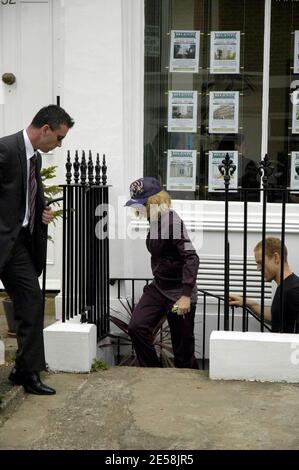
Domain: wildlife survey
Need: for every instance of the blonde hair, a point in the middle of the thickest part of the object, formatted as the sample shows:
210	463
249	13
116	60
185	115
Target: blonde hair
158	203
272	245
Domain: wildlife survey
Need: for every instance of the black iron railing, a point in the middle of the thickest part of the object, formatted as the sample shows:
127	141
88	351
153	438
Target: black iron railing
85	254
129	294
246	312
265	170
225	312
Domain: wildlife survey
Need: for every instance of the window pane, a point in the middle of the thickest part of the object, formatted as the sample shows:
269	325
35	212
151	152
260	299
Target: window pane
284	22
161	17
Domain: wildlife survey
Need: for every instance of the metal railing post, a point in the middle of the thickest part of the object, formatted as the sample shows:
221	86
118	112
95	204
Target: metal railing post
85	256
227	169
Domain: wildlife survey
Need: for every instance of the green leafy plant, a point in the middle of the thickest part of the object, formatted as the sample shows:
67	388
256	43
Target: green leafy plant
98	364
51	192
161	337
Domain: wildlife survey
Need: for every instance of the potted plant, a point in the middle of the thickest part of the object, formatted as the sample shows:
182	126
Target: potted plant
51	192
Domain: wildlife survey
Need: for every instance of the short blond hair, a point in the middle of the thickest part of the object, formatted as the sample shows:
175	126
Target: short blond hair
272	245
161	200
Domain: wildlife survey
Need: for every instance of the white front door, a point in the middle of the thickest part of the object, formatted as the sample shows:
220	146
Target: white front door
26	50
29	51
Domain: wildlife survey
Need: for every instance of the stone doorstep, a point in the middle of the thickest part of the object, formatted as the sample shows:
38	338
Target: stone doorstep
10	401
11	395
2	352
12	398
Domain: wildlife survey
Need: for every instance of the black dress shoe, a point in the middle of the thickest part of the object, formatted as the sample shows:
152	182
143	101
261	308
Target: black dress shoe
31	382
16	376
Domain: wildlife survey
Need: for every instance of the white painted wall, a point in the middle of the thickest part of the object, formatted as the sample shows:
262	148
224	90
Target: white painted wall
100	80
92	87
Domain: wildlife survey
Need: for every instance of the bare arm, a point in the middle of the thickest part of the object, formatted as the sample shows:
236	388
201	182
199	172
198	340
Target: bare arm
237	301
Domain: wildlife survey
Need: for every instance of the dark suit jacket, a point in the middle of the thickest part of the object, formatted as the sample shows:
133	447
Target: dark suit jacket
13	187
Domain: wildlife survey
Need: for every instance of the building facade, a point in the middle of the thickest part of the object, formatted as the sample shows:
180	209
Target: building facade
115	67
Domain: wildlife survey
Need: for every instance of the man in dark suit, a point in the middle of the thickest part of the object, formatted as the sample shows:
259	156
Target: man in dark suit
23	221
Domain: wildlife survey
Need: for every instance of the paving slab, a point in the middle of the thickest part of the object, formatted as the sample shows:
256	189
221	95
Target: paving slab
10	396
128	408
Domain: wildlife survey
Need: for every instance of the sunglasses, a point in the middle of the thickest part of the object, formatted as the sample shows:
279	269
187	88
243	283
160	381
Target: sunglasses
58	137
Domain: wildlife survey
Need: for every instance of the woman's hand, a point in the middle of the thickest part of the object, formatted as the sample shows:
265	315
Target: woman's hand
183	304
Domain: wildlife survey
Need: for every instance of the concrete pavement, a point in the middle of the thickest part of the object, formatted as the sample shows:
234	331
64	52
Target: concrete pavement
158	409
128	408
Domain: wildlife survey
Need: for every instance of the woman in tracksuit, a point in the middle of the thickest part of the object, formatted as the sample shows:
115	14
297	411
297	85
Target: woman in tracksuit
174	265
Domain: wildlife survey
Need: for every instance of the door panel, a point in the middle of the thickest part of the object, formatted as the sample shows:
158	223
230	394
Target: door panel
27	51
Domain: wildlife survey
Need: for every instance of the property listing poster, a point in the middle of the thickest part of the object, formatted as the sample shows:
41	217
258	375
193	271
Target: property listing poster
184	51
182	111
225	52
216	180
296	51
181	170
151	41
295	113
294	183
224	112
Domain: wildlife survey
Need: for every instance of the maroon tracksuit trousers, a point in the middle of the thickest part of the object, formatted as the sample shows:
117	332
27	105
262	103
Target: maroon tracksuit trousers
150	309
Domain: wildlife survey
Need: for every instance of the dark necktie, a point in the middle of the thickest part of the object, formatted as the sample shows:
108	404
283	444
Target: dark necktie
32	192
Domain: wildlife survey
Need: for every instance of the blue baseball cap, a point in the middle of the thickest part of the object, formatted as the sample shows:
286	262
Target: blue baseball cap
142	189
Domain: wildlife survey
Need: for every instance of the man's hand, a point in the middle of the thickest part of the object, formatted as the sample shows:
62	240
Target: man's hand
183	304
47	215
235	300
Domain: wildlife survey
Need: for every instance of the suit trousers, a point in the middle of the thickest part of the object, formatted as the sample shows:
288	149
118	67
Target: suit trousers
21	283
151	308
